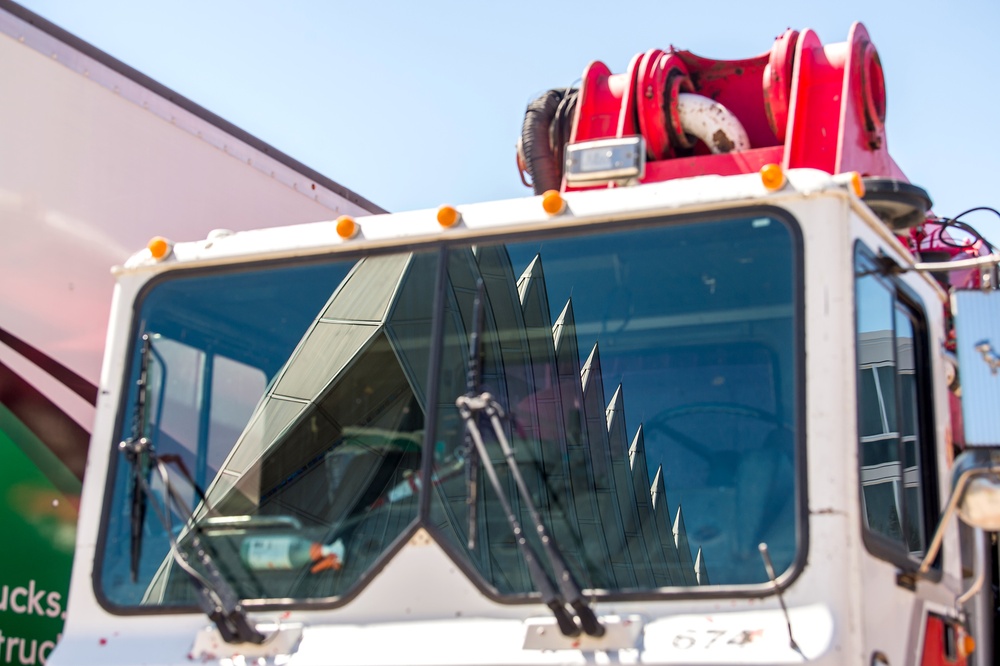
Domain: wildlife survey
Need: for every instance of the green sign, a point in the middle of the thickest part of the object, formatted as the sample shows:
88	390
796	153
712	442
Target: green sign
39	500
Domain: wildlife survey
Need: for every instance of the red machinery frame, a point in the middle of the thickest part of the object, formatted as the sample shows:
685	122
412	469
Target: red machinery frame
802	105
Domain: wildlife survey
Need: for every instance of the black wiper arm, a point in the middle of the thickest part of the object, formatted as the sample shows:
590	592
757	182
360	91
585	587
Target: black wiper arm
216	596
470	407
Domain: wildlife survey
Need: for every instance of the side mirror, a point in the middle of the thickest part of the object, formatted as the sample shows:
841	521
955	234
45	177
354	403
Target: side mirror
977	479
975	496
975	482
977	344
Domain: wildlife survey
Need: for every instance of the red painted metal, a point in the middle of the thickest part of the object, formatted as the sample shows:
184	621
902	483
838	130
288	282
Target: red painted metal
802	104
778	82
862	144
814	121
726	164
598	105
662	76
606	105
739	86
935	652
679	81
651	87
626	118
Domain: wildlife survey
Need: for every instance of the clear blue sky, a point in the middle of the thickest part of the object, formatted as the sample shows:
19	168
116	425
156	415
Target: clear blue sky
413	104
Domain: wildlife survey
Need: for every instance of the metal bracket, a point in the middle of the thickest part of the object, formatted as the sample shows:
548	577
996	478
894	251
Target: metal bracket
282	640
621	633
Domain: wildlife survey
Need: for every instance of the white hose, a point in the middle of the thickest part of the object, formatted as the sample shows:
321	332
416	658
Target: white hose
711	122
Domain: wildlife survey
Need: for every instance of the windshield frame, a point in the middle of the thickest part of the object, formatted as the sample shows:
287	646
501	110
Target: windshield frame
441	247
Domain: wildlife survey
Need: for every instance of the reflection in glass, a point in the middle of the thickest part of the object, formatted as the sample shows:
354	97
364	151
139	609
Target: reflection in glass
911	497
318	467
887	411
650	379
649	376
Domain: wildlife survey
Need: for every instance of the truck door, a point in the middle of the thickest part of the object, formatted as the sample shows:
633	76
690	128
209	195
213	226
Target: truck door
897	465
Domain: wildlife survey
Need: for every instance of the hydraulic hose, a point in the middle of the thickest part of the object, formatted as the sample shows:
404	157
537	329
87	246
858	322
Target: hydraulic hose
547	123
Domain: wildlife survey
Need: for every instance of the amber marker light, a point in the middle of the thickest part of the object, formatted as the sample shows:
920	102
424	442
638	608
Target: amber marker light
772	176
851	180
553	203
447	216
967	646
857	184
347	227
159	247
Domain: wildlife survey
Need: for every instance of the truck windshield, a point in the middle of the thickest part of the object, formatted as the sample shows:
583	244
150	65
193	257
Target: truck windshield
647	372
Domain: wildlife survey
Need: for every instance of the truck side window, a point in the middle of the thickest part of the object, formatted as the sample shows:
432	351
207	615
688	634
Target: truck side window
892	420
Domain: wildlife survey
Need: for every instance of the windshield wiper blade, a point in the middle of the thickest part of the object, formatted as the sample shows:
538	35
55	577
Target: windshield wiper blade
470	408
136	452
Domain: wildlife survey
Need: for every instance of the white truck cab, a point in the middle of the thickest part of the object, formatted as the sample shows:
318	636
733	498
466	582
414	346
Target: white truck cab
691	416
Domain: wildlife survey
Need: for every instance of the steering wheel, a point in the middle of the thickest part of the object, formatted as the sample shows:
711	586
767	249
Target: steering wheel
659	423
733	408
761	476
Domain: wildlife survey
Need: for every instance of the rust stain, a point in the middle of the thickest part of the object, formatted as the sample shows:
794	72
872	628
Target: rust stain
722	142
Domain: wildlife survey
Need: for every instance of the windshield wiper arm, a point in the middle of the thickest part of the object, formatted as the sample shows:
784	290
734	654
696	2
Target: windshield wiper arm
472	380
216	596
470	407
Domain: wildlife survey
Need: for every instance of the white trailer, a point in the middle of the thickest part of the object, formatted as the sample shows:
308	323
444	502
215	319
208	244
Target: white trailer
95	159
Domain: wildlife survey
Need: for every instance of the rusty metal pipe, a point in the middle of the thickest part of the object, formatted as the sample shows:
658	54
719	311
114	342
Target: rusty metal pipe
711	122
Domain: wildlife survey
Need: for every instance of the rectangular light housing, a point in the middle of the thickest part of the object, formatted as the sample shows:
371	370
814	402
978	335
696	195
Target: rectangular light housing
605	160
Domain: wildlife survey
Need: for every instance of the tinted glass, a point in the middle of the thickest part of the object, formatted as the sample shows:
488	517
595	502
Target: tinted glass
888	378
912	497
648	377
289	396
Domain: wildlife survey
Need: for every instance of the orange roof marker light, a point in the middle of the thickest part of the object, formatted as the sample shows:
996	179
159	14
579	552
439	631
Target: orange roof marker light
854	182
553	202
857	184
347	228
159	247
448	216
772	176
